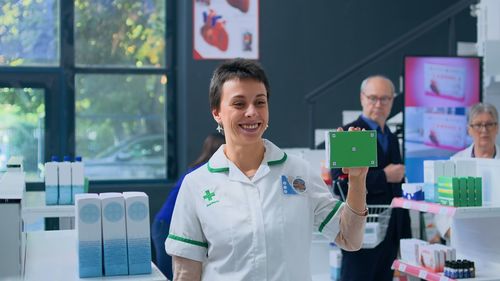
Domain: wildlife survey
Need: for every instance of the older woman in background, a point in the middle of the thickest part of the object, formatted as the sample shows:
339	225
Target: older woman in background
483	128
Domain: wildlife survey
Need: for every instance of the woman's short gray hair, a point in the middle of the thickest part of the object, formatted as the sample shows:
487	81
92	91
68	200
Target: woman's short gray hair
483	108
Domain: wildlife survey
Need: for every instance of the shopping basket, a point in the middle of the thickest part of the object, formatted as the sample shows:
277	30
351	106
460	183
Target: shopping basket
376	222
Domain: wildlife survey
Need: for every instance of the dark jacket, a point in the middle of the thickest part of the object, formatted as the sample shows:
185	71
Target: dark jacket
379	190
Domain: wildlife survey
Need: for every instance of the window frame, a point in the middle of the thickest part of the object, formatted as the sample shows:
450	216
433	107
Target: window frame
59	87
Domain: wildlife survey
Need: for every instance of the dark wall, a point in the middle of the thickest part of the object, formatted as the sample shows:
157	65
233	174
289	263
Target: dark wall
302	45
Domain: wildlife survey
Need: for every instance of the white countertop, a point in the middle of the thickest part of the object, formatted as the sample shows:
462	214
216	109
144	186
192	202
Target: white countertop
52	255
34	207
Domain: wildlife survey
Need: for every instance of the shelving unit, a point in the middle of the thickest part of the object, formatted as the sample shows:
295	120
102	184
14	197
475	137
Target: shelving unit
474	235
458	213
423	273
52	255
34	208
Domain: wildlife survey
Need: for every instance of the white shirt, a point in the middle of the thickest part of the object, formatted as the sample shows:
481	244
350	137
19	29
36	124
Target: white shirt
443	222
467	153
252	229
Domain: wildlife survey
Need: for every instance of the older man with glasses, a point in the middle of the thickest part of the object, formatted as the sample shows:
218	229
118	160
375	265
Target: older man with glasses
382	183
483	128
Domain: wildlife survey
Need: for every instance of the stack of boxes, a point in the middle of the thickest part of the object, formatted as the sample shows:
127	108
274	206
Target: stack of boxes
124	239
446	183
460	191
63	180
430	256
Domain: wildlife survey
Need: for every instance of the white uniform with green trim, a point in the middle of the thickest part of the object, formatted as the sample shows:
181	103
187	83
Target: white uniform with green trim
258	229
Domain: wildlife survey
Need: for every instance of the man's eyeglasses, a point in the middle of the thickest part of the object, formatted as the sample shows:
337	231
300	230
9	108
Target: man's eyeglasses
479	126
373	100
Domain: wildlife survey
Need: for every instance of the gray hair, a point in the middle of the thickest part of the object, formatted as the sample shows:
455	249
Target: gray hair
483	108
367	79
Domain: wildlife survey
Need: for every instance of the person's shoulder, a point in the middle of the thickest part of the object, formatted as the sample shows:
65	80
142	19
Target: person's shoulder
359	122
465	153
199	173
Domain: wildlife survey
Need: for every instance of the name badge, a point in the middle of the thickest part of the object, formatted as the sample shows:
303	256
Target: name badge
297	186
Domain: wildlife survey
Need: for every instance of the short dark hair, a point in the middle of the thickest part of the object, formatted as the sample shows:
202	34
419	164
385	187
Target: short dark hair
235	69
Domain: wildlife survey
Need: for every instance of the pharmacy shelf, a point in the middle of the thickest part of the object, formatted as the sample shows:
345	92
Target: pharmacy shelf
426	274
458	213
34	207
52	255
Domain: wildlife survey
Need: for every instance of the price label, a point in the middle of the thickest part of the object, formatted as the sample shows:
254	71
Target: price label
444	278
424	207
422	274
402	267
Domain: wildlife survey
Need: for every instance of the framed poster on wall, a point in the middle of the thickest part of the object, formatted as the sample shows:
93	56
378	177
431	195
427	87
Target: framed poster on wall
225	29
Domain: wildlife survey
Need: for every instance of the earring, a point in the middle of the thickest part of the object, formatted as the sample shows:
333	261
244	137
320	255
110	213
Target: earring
219	129
267	126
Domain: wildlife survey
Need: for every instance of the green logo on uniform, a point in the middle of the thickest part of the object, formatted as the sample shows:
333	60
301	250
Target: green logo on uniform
209	197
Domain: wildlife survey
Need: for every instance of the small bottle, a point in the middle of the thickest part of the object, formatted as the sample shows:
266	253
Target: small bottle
460	271
472	270
466	269
453	271
446	270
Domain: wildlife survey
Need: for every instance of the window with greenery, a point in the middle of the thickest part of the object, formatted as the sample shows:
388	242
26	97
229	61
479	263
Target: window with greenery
22	112
87	78
126	142
127	33
29	33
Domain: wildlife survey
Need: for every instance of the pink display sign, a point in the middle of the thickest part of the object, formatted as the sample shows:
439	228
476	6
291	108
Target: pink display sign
442	81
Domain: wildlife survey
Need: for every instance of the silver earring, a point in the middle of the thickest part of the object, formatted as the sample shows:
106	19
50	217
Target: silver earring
219	129
267	126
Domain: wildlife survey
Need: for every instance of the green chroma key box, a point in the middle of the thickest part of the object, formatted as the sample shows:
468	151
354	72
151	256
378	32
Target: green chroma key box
351	149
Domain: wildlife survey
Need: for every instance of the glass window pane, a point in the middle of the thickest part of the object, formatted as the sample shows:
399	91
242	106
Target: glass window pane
120	125
22	129
29	33
120	33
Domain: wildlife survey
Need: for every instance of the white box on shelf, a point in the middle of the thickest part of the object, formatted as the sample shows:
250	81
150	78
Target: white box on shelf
433	170
51	183
465	167
114	234
89	235
449	168
77	178
138	234
409	250
64	183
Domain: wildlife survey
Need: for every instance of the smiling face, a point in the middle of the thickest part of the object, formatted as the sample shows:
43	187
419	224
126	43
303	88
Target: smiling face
243	111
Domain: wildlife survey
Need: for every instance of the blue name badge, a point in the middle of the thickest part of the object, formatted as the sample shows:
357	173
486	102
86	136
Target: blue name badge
298	186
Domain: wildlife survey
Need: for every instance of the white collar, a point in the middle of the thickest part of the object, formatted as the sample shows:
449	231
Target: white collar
219	163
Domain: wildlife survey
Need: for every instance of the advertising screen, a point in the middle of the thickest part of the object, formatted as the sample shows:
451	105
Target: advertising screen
438	94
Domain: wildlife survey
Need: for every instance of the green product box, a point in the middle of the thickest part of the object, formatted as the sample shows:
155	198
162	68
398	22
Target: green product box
351	149
446	201
445	191
457	202
478	188
471	191
464	199
445	182
449	191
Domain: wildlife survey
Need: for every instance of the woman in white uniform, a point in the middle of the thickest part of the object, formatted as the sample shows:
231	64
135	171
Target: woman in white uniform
483	128
249	213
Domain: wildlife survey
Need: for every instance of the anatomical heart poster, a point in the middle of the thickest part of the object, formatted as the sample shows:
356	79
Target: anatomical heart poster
225	29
